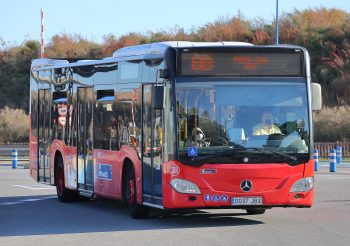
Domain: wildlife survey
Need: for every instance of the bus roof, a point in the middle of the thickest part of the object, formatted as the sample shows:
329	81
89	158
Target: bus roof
145	51
152	50
161	46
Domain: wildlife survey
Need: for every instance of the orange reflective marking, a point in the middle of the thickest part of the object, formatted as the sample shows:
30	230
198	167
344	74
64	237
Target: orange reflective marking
250	63
202	63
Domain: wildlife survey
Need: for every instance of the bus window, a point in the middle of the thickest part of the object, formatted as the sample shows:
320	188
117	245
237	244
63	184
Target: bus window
106	125
59	114
129	113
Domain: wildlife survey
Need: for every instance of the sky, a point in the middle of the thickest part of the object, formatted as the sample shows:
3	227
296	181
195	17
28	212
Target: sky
92	19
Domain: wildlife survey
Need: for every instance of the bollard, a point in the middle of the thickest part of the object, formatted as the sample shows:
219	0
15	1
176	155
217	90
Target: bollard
332	163
338	156
14	158
316	159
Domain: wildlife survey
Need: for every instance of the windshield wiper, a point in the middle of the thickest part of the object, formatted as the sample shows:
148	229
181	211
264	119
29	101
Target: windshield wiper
211	157
235	154
292	158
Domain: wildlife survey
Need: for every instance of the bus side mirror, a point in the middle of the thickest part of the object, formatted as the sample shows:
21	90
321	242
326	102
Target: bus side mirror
157	96
316	97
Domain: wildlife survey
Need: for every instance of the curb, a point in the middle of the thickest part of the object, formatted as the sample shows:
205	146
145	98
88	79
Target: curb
332	173
20	166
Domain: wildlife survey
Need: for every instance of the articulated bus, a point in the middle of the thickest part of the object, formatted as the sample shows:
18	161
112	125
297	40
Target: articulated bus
177	125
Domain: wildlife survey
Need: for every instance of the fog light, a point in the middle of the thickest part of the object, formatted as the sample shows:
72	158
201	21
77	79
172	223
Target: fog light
303	185
192	198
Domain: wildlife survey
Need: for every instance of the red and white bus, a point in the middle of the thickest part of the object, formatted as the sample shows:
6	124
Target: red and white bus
175	125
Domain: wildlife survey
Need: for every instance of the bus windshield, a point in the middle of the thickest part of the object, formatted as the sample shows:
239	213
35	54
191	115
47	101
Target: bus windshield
242	122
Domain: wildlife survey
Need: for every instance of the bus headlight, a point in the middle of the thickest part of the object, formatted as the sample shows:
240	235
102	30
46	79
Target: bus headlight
303	185
184	186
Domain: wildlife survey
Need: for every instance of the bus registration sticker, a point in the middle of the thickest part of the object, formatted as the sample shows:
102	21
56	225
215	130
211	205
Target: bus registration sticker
253	200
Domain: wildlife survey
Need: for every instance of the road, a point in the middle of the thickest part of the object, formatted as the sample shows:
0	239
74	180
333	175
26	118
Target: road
31	215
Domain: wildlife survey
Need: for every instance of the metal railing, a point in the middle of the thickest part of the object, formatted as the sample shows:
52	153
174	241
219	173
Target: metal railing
6	151
324	148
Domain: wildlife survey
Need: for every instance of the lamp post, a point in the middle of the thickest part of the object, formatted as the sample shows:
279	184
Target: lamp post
276	22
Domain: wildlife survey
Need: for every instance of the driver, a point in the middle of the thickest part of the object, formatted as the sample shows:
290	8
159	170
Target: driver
197	139
266	127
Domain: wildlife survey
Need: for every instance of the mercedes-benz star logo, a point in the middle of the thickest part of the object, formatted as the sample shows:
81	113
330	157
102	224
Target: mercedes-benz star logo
246	185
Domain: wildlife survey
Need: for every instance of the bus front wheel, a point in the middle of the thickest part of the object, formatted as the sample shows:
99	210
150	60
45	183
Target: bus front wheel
137	211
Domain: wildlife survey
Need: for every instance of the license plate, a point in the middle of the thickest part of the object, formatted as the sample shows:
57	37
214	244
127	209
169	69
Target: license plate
238	201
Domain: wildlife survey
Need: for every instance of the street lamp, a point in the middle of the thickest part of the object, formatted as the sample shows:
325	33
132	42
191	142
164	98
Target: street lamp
276	22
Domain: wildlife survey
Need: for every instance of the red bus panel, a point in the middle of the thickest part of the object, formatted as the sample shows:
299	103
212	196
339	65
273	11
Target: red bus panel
272	182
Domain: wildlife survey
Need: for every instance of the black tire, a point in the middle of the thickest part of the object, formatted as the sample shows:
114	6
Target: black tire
254	211
63	194
137	211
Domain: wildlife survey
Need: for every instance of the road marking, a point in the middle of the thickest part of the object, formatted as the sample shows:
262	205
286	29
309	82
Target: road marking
332	176
38	199
34	188
27	200
9	203
339	177
31	200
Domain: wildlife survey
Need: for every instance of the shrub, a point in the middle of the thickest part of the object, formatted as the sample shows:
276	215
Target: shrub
332	124
14	125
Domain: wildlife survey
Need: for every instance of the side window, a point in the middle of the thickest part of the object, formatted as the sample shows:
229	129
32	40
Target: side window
44	113
59	115
34	113
70	135
129	115
106	121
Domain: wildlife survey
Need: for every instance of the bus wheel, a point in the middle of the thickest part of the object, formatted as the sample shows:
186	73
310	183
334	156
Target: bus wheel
137	211
63	194
253	211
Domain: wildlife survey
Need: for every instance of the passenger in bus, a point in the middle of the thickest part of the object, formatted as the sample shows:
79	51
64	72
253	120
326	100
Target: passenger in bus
197	139
266	127
113	128
113	134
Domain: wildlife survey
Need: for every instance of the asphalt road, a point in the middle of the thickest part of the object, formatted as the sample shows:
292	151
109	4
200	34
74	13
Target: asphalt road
31	215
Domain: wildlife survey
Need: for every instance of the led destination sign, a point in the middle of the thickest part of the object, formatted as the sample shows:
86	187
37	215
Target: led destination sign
214	63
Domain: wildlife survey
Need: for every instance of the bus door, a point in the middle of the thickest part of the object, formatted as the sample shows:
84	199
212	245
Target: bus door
84	141
44	136
152	141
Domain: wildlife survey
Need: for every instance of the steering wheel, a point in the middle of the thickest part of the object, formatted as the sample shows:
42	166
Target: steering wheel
218	141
